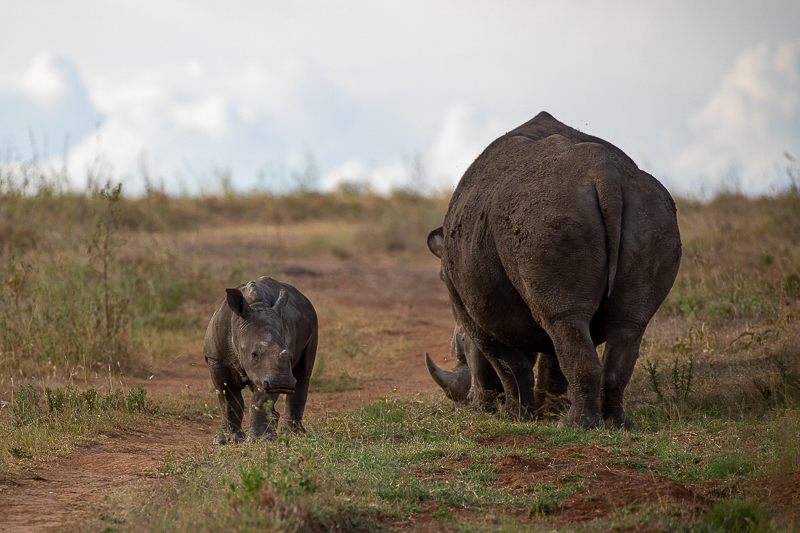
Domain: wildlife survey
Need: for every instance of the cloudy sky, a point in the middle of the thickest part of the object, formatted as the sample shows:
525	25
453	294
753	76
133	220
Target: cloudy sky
704	95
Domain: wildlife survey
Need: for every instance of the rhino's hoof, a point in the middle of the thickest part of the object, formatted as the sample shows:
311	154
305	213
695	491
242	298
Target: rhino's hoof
617	422
292	428
484	404
583	422
267	436
228	438
515	413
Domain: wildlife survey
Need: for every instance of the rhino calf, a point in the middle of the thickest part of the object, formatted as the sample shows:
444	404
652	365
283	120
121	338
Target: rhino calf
264	336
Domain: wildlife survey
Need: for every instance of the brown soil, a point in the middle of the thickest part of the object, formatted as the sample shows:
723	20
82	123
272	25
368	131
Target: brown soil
70	488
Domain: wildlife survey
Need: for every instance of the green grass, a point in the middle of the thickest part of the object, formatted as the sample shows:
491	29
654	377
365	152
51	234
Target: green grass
49	424
386	463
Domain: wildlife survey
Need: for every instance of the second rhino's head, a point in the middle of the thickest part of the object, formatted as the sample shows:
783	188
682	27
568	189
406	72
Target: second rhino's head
259	341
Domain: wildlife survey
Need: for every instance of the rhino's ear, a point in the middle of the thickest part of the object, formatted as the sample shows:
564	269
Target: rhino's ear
436	242
237	303
283	297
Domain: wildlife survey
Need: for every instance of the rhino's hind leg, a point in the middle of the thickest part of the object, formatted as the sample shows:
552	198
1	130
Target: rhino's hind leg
579	362
619	358
263	416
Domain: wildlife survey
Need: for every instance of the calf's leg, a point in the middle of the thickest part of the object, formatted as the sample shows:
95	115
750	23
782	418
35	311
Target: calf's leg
263	416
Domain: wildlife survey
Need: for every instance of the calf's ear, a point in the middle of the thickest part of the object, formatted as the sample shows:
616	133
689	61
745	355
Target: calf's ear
436	242
237	303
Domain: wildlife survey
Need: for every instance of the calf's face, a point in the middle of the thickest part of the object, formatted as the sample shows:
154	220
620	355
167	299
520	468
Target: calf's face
259	341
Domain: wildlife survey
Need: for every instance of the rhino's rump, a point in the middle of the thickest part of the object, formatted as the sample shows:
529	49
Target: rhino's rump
526	239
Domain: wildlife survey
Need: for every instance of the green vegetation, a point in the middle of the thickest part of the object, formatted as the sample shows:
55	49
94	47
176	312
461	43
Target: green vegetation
374	467
45	424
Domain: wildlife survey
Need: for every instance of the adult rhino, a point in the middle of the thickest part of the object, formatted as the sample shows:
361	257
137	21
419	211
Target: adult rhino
555	242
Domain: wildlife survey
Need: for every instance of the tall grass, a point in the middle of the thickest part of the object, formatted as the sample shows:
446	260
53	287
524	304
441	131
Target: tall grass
47	423
741	258
85	275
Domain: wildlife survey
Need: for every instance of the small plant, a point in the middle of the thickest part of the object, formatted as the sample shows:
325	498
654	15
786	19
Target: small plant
655	380
732	465
793	174
103	246
25	407
693	338
59	402
737	516
747	338
681	377
252	482
136	401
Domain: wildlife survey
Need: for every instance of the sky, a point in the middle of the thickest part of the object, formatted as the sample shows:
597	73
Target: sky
193	96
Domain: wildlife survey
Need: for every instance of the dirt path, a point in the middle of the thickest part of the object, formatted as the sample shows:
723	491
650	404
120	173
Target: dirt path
72	487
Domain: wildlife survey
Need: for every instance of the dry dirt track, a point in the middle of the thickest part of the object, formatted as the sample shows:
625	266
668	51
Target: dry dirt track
72	487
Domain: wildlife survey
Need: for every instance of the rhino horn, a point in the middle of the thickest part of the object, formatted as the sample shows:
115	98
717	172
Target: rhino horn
455	384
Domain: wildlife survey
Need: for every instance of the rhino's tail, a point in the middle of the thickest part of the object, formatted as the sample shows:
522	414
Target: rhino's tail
609	196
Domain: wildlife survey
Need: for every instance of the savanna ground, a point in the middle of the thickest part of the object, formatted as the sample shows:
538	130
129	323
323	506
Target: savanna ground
108	412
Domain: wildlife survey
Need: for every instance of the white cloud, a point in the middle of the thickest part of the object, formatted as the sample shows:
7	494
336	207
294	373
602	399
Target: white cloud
380	179
748	122
462	136
44	81
352	172
114	151
366	89
209	115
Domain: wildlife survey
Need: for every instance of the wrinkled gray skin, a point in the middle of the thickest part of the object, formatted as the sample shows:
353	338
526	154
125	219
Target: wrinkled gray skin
264	336
555	242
